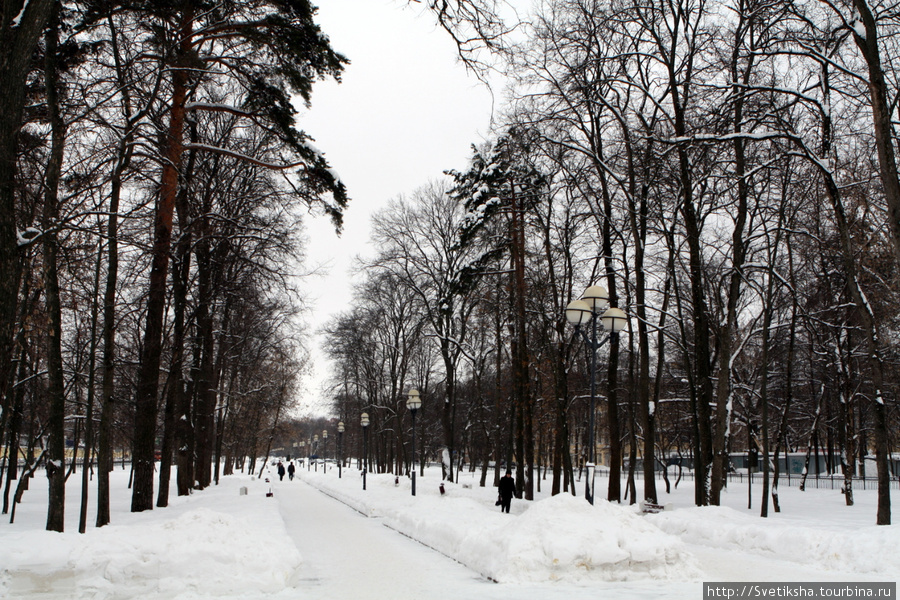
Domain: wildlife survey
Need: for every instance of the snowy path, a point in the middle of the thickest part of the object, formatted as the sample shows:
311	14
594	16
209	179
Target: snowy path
348	555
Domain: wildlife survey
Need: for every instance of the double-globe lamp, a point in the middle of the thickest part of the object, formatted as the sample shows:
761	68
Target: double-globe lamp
594	306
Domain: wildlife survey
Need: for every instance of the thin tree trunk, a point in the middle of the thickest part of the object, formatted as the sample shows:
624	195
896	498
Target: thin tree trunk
107	388
15	427
739	251
91	392
56	472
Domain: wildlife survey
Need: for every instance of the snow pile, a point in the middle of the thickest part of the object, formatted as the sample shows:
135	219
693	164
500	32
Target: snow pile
564	537
869	549
561	538
177	552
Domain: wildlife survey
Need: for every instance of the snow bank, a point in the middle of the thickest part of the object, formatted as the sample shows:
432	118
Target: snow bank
863	550
178	552
564	537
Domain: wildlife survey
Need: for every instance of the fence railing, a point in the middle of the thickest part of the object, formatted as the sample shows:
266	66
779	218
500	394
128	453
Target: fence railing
821	481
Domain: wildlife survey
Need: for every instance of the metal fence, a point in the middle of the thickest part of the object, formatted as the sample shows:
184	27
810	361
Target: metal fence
821	481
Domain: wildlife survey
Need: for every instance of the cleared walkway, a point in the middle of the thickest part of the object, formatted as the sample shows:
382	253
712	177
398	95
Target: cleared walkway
348	555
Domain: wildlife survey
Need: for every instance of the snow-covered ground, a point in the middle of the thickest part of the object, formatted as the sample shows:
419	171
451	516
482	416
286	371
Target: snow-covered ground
323	537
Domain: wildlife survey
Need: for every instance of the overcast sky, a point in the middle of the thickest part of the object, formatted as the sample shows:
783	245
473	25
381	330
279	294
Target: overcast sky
405	112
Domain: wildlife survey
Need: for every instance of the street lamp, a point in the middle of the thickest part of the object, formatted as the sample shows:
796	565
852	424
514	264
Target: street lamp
324	450
302	450
588	311
340	429
413	402
316	451
364	421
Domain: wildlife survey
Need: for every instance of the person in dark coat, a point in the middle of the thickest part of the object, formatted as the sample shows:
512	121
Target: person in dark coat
291	470
507	489
280	471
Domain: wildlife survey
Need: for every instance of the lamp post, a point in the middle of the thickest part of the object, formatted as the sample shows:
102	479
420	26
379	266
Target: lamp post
588	310
324	450
364	421
340	429
413	402
315	454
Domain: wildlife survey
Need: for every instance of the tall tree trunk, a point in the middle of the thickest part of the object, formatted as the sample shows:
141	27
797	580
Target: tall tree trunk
56	472
148	372
789	386
91	392
884	142
180	399
520	370
613	493
107	389
699	312
739	251
768	309
17	45
882	126
205	391
173	428
866	318
638	215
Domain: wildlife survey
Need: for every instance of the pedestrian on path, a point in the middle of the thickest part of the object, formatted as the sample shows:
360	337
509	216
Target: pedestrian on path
280	471
507	489
291	470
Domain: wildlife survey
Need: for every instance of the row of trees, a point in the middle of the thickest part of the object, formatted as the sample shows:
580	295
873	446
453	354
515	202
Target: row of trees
152	189
153	185
727	171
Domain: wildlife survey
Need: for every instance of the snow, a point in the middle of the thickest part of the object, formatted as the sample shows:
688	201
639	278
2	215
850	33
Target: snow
324	537
17	20
196	548
23	238
334	175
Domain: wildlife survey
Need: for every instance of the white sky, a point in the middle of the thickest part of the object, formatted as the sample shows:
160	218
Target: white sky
405	112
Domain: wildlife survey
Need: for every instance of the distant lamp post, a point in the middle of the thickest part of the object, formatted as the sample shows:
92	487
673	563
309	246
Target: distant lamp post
588	310
316	451
364	421
324	450
340	429
302	451
413	402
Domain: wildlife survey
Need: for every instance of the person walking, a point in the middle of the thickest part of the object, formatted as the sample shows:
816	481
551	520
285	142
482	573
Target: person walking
506	490
291	470
280	471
